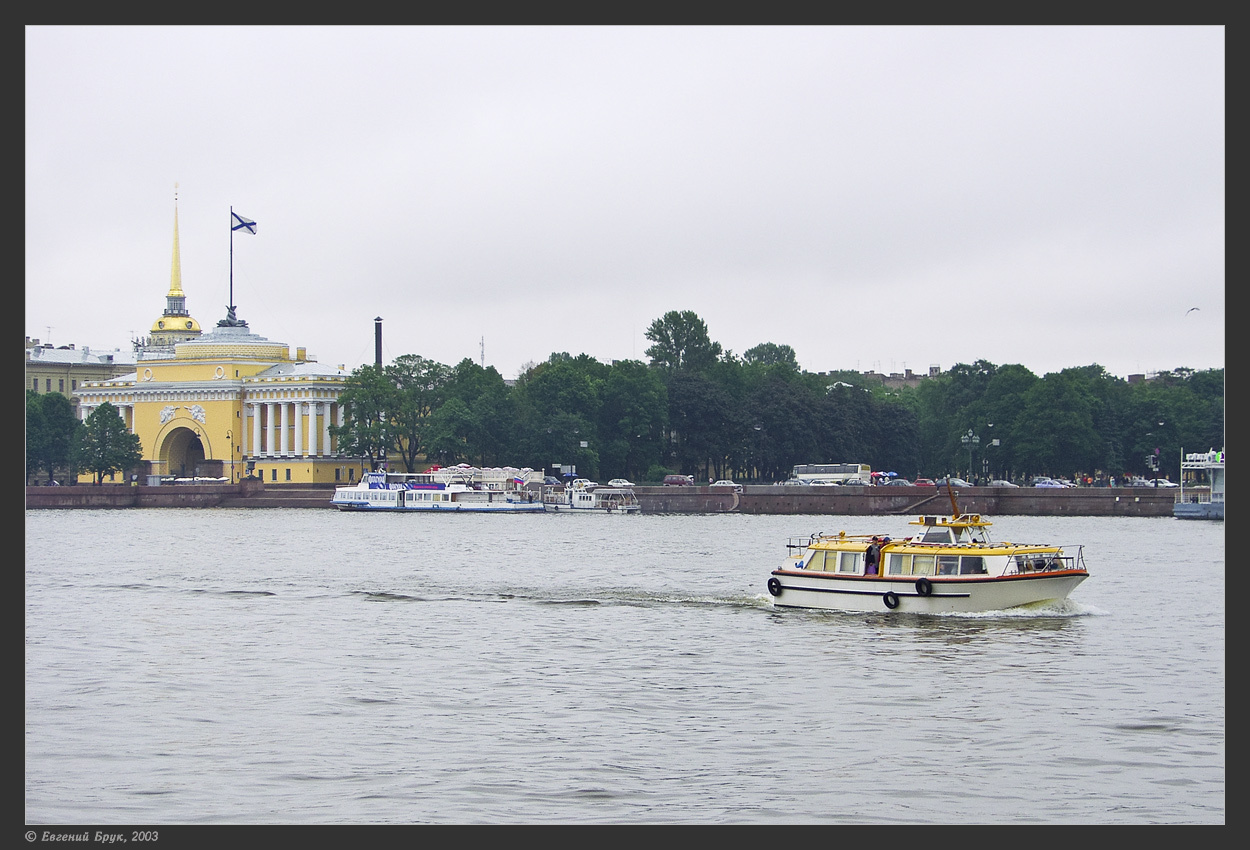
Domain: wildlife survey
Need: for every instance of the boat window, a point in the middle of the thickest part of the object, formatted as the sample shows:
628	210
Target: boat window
948	565
818	560
938	535
899	564
850	562
971	565
922	565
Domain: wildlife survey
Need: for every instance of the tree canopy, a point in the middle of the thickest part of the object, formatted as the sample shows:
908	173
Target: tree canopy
698	410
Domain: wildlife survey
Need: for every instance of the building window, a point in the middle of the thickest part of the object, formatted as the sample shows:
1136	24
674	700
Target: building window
60	385
338	473
73	385
47	384
34	384
288	473
275	474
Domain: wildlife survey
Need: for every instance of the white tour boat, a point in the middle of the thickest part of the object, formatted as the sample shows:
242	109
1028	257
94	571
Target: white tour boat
459	488
949	566
581	496
1196	502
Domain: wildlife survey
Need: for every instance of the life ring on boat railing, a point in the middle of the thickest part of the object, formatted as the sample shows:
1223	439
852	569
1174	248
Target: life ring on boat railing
774	586
924	587
890	599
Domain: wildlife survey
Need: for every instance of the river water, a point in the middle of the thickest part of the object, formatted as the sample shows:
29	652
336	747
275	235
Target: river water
222	666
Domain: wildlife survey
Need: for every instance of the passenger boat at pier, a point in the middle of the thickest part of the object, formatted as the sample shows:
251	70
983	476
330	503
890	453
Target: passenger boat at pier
580	496
949	566
459	488
1196	502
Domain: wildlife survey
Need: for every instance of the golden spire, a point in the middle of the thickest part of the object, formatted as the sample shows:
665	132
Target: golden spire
175	276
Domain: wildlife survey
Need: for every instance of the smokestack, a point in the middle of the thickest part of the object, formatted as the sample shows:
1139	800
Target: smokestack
377	342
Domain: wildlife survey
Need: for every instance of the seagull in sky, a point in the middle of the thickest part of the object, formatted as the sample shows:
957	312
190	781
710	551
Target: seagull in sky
1190	310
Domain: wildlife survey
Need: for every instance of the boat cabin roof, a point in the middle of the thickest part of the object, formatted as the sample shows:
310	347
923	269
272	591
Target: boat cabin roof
964	528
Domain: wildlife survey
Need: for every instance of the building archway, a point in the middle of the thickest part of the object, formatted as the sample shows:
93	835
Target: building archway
181	453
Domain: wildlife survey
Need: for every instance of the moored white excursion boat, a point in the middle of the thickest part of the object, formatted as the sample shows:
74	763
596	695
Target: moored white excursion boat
579	496
1199	502
950	566
459	488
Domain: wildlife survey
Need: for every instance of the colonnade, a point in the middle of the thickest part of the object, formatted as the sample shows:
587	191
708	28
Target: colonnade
287	428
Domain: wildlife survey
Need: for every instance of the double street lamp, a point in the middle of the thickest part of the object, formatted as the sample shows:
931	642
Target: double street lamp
970	440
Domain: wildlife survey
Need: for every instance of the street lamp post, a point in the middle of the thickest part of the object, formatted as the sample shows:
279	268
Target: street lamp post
230	440
970	440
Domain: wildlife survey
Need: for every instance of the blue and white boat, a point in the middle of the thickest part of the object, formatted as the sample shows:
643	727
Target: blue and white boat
454	489
1194	501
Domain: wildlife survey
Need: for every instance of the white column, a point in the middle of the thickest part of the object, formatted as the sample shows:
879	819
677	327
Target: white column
342	417
284	441
313	407
299	428
271	407
325	428
256	444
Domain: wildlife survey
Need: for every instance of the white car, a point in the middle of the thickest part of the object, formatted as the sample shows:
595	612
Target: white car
1160	482
1001	483
727	483
620	482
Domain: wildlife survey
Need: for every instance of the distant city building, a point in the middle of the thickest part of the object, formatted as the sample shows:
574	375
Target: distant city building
226	403
906	378
62	370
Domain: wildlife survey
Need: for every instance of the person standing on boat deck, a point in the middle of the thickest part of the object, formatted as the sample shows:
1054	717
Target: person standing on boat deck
871	557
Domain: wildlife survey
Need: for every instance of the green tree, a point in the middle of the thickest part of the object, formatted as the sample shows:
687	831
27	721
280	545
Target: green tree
632	420
771	354
105	446
419	384
51	428
368	402
37	437
681	341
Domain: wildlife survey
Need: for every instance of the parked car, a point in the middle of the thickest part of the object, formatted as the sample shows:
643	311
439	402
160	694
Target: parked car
551	479
725	482
1138	481
620	482
1001	483
924	482
1161	482
678	480
1048	483
956	482
854	482
898	482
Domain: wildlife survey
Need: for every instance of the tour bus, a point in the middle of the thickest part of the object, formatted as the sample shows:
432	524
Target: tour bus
830	473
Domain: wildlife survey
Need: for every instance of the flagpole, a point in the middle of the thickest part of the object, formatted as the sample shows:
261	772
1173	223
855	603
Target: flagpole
231	303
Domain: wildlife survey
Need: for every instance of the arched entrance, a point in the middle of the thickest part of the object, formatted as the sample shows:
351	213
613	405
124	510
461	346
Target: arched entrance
181	453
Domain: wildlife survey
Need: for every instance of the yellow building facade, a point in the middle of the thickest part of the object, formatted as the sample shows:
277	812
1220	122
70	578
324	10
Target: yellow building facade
226	403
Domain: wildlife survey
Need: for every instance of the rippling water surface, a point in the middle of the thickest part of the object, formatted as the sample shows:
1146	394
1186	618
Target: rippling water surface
299	667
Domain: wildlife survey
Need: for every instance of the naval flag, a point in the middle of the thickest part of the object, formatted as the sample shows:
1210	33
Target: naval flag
238	222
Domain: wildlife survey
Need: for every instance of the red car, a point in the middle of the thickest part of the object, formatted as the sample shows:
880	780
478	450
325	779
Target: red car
923	482
678	480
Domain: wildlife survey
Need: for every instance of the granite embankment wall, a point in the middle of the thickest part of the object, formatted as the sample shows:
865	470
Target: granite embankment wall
760	499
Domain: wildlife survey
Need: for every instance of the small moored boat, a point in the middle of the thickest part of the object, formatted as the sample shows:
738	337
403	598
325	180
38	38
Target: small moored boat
950	566
580	496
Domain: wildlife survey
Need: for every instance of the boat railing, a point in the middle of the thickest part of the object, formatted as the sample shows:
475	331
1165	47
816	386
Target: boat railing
1028	563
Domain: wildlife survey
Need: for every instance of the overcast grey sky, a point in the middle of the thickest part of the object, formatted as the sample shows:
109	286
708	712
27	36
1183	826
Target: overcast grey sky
876	198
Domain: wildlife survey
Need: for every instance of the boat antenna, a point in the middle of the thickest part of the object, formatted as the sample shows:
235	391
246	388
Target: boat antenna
950	491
